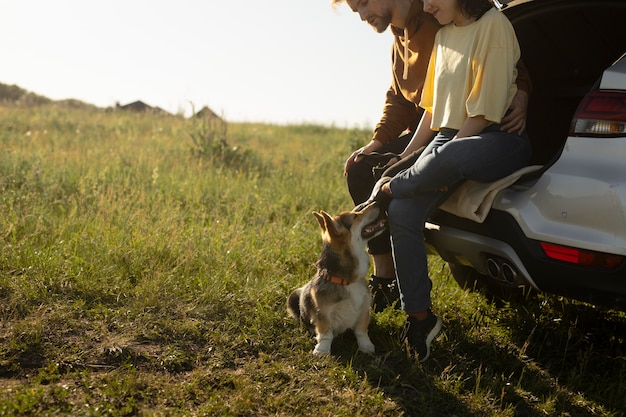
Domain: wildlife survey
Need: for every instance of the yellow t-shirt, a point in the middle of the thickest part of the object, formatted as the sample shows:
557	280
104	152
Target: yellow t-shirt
472	71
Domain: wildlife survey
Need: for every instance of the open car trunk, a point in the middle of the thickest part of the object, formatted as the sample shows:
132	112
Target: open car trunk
566	44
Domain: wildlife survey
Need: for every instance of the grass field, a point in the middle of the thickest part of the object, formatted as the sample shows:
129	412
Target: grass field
146	261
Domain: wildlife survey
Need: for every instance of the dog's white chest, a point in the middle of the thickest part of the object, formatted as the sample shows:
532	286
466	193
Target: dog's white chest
358	294
347	312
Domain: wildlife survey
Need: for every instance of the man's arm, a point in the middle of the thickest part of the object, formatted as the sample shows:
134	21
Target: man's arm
515	120
398	115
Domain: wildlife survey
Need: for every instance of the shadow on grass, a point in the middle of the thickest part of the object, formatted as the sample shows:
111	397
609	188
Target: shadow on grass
551	357
573	352
413	387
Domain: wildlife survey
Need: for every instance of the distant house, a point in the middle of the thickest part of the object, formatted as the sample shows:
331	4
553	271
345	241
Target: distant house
140	107
207	113
136	106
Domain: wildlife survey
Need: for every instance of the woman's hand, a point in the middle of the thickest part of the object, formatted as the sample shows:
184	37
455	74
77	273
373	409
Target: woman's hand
386	189
393	161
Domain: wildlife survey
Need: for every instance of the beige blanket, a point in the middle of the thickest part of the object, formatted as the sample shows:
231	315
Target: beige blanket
473	199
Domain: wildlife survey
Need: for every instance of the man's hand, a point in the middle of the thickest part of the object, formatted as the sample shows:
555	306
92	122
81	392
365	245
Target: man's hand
356	155
515	121
352	159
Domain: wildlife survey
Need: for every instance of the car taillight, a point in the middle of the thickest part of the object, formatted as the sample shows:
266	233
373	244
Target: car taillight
581	257
601	114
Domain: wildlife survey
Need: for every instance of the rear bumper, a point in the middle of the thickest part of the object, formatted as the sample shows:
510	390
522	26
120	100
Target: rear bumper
500	239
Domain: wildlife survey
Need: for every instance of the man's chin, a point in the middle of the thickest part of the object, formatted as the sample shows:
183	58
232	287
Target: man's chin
380	24
380	29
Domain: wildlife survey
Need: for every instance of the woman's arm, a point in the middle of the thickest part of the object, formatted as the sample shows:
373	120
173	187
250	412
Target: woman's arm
423	135
472	126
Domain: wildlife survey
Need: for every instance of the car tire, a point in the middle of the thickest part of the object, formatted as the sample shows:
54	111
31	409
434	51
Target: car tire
495	291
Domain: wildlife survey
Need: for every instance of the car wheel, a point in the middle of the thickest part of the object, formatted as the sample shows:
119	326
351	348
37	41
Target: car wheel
495	291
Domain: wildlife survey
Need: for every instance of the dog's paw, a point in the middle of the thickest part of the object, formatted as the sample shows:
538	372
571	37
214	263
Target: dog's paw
366	346
324	342
320	352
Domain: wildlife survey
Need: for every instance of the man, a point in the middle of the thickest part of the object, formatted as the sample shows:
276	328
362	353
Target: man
414	32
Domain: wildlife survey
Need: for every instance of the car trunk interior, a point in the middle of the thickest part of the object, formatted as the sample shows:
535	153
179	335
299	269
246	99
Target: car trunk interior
566	44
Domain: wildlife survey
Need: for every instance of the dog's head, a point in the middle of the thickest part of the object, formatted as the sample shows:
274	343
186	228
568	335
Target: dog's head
344	237
358	225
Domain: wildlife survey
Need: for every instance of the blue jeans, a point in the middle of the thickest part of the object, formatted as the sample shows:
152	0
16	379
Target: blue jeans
419	190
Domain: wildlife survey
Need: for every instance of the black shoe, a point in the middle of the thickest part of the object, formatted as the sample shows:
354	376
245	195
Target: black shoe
384	293
418	334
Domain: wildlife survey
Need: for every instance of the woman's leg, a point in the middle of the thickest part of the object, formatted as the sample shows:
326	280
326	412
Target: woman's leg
406	221
417	192
488	157
407	217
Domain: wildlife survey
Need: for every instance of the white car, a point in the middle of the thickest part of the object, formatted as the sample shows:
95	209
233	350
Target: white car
561	229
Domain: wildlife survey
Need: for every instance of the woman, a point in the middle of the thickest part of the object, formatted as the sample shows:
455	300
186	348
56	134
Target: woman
469	85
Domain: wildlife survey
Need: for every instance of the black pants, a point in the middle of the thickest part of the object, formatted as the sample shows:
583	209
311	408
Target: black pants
361	179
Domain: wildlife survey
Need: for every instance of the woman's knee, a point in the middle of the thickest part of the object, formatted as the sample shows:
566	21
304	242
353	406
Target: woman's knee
411	213
402	214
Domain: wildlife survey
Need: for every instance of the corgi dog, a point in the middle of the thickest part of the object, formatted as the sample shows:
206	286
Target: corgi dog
337	298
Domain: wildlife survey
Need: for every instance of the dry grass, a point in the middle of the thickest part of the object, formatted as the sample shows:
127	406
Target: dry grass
139	276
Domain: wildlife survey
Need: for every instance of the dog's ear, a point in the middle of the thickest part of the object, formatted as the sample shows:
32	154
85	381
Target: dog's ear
331	225
327	224
320	219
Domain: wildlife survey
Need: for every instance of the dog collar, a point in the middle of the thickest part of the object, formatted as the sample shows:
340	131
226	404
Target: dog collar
336	280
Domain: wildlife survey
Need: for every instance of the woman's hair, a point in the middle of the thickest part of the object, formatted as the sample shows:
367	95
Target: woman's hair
474	8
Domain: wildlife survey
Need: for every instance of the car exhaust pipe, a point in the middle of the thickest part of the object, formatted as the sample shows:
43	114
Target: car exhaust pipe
493	268
501	270
508	273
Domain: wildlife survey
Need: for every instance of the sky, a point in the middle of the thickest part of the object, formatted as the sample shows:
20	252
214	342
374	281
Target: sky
270	61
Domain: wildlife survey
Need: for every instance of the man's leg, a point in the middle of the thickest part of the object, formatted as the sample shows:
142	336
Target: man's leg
361	181
383	265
